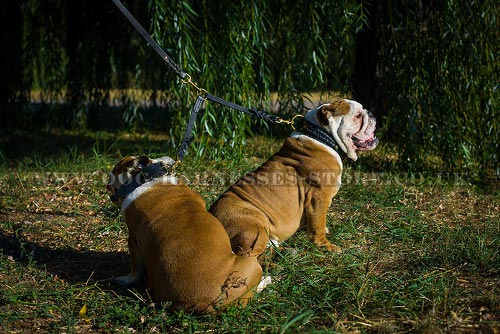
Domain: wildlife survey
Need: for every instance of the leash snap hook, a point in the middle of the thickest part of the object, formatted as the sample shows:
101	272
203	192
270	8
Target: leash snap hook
193	84
290	122
176	164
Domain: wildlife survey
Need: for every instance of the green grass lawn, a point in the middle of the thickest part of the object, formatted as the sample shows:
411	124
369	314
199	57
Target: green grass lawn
421	251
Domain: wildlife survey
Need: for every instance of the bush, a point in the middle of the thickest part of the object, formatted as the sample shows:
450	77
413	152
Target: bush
440	78
86	60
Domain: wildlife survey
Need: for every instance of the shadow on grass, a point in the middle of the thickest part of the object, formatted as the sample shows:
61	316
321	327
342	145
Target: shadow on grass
71	265
23	147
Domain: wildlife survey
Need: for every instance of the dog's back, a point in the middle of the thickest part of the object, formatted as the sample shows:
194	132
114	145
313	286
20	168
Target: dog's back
185	250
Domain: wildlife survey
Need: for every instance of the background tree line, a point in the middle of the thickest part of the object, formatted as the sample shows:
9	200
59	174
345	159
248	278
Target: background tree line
427	69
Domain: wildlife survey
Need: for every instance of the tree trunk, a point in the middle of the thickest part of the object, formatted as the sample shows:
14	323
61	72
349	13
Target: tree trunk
11	66
366	80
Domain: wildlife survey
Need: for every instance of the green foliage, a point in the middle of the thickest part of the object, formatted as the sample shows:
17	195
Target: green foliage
85	63
82	65
241	51
441	83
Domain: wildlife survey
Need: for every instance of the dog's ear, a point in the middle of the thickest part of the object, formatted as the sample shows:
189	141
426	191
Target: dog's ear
335	109
143	161
131	164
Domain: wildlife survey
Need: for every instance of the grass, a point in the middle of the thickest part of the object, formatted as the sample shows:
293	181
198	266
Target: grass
421	253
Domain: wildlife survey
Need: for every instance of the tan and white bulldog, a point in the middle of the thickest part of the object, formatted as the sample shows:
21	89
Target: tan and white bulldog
180	249
295	187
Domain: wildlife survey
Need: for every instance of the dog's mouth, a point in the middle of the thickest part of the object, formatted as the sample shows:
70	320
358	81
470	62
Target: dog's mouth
365	142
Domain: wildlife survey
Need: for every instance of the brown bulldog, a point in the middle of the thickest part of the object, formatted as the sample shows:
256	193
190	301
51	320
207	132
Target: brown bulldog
295	187
180	249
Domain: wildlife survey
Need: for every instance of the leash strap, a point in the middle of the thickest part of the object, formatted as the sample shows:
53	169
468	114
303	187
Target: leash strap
188	138
186	78
223	102
202	93
173	66
254	112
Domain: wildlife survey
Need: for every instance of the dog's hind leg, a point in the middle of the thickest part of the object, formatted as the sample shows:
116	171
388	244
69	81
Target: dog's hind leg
250	242
243	281
137	270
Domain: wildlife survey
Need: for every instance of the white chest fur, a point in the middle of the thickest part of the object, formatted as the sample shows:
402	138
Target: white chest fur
146	187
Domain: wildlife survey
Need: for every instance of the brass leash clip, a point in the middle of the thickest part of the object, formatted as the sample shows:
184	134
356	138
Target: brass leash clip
189	81
291	121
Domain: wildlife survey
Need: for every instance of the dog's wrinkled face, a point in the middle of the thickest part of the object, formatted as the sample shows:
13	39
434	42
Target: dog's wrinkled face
352	126
123	173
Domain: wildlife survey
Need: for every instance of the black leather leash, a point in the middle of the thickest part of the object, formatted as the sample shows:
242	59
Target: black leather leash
188	138
251	111
202	93
173	66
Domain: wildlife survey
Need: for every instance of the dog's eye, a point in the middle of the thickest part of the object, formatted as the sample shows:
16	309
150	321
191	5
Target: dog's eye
358	115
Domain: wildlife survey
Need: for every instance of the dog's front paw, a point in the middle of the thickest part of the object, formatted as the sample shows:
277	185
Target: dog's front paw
323	242
333	248
126	281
